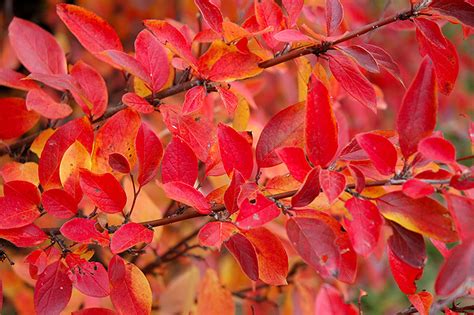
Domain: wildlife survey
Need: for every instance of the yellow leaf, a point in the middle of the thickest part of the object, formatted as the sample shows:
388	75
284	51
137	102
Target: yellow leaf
39	142
241	115
75	157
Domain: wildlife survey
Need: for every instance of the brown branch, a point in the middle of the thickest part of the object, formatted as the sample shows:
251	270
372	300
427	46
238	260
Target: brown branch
165	256
316	49
193	213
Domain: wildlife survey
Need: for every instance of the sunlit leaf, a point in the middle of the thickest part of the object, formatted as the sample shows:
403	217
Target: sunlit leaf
424	215
93	32
128	236
130	291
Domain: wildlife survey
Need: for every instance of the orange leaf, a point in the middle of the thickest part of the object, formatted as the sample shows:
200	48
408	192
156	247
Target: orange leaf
423	215
213	299
130	291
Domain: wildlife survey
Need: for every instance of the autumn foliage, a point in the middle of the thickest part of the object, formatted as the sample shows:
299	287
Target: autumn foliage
250	157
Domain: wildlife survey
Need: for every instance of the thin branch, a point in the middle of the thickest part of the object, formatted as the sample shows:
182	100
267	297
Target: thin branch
191	213
165	256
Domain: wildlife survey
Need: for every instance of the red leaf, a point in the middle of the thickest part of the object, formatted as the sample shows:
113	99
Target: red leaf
269	15
172	38
130	291
138	103
352	80
462	211
37	262
90	278
256	213
197	133
309	190
460	9
149	153
293	8
59	203
16	212
407	246
359	178
421	301
179	163
431	32
445	58
53	289
271	256
194	99
380	151
365	226
229	99
129	235
285	129
16	80
153	57
94	311
231	195
236	151
334	15
332	183
42	103
404	274
424	215
363	57
462	181
93	32
188	195
214	234
125	62
103	190
211	14
417	116
295	160
26	236
321	242
37	49
330	302
15	119
457	272
22	189
291	35
60	82
437	149
383	60
84	231
112	137
320	125
415	189
119	163
234	65
92	95
244	252
56	146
